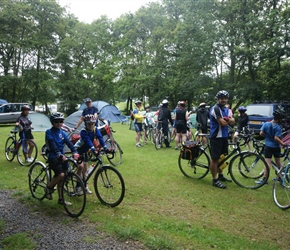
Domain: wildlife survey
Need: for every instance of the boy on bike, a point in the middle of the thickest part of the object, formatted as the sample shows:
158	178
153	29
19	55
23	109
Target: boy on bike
55	139
86	145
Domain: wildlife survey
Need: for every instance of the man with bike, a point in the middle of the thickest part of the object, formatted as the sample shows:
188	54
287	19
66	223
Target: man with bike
202	116
88	110
219	121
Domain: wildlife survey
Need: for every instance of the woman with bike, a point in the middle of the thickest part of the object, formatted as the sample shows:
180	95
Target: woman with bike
55	139
86	145
180	118
24	124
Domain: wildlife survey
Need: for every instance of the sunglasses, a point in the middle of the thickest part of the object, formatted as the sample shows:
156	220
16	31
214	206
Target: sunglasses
57	122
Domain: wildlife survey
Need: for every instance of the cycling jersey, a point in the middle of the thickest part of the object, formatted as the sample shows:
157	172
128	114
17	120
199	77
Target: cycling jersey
138	116
218	112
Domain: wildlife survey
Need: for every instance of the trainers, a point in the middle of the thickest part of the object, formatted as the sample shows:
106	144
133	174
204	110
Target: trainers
48	192
88	191
261	181
79	191
61	202
222	178
139	145
29	160
218	184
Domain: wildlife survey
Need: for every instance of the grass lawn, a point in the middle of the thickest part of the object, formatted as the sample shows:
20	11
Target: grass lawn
165	210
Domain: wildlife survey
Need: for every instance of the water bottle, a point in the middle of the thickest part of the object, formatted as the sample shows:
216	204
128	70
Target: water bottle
225	164
90	169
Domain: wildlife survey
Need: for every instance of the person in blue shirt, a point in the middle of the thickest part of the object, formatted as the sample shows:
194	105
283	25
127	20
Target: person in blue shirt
219	121
89	110
272	132
86	144
55	139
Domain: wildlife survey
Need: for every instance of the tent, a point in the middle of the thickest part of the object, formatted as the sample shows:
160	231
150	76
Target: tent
40	122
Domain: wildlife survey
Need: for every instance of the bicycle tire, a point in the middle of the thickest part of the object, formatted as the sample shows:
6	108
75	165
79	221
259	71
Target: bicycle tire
43	152
74	204
246	168
10	150
281	189
38	178
158	141
72	165
21	155
153	135
109	186
196	168
115	158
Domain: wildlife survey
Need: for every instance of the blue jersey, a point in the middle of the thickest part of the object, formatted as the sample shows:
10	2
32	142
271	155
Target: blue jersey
55	140
90	111
271	129
217	131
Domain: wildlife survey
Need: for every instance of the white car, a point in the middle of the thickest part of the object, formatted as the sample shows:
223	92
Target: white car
9	112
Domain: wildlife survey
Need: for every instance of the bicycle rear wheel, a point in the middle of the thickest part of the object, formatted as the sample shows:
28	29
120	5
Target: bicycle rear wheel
196	168
73	203
281	189
23	152
158	140
9	149
115	158
246	168
153	135
38	178
109	186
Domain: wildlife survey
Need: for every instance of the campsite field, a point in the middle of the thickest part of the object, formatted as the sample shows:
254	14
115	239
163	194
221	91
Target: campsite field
165	210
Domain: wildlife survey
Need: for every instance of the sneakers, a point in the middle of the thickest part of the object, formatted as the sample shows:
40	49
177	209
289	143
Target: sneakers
222	178
79	191
48	191
176	148
261	181
29	159
218	184
138	145
61	202
88	191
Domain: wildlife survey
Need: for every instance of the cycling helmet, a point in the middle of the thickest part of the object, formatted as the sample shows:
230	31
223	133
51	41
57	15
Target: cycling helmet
242	109
147	107
89	118
164	101
138	102
279	114
222	94
57	116
182	103
202	104
25	107
87	100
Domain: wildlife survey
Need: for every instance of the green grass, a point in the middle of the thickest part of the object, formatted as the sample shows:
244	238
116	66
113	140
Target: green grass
165	210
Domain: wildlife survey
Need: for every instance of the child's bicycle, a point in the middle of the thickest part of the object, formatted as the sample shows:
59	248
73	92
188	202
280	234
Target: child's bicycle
39	176
20	148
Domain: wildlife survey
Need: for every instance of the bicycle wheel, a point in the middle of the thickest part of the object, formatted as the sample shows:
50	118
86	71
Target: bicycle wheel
153	135
23	151
196	168
115	158
158	140
38	177
9	149
73	204
44	152
72	165
109	186
246	168
281	189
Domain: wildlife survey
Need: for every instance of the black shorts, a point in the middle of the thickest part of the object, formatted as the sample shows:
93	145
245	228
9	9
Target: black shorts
181	128
57	166
218	146
26	134
269	152
138	127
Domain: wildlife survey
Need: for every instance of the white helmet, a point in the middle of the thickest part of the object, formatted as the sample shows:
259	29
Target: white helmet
164	101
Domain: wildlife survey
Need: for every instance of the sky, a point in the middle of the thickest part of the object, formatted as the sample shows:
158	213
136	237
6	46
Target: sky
89	10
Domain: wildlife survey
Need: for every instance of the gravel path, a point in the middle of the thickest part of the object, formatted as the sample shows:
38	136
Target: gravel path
49	233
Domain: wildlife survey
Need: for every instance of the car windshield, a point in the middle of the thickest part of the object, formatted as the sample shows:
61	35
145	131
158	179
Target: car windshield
260	110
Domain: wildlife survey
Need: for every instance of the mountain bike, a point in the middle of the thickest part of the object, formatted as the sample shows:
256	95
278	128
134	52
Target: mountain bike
40	175
160	138
20	148
242	166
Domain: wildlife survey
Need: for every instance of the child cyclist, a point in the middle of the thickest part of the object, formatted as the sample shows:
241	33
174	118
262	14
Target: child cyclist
86	144
55	139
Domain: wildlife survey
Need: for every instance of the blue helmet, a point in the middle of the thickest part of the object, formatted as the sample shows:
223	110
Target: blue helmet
222	94
242	109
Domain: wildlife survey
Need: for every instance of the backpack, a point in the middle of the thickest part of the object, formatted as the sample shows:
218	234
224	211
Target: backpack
75	138
161	114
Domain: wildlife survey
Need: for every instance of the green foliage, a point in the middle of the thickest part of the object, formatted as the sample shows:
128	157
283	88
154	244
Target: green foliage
18	241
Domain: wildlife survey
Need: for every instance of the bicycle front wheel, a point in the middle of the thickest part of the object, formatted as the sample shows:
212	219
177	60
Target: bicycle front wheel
74	203
281	189
23	153
196	168
38	178
109	186
247	168
10	149
158	141
115	158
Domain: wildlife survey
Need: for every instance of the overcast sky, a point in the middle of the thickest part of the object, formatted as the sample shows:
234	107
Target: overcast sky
89	10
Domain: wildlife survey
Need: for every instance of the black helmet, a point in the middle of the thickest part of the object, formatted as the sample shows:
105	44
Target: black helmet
242	109
279	114
57	116
89	118
221	94
87	100
182	103
25	107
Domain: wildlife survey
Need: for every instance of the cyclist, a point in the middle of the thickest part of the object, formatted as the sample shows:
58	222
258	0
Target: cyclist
164	115
138	117
272	132
148	122
24	124
88	110
219	121
181	118
55	139
202	116
85	145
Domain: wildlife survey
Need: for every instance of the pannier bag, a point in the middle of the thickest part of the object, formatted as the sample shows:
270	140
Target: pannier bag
189	150
105	130
75	138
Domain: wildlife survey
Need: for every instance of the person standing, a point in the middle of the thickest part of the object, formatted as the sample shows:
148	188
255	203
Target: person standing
89	110
24	124
180	118
219	121
138	119
202	116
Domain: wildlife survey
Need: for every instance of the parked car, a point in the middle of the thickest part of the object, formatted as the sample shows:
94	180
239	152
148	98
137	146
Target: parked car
9	112
259	113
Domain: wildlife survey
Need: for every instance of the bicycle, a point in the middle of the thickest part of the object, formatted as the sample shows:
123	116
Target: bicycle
160	138
39	176
242	166
20	147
